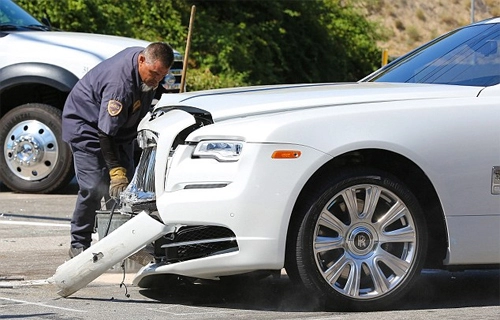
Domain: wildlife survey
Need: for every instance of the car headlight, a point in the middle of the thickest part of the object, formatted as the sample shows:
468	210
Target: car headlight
146	138
221	150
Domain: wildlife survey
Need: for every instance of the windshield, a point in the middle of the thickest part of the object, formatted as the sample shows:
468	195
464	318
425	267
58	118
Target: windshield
468	56
13	17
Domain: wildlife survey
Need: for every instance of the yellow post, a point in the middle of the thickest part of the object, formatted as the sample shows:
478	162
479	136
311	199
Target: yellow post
385	57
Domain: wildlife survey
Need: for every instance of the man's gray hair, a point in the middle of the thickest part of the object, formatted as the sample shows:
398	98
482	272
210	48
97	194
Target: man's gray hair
159	51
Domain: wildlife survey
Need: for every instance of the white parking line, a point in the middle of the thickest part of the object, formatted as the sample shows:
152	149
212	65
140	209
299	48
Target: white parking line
24	283
40	224
40	304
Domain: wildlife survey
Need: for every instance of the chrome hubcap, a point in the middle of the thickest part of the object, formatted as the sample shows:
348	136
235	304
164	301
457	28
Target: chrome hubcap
31	150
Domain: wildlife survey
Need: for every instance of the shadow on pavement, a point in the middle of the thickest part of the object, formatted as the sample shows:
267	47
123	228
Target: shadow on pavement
267	294
434	290
441	289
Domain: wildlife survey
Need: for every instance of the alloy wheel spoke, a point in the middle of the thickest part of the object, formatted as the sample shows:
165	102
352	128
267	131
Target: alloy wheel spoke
322	244
404	235
395	264
380	282
334	272
328	220
371	201
349	196
353	281
397	211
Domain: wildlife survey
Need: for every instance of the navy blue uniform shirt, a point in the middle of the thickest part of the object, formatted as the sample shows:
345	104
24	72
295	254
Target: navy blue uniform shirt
108	98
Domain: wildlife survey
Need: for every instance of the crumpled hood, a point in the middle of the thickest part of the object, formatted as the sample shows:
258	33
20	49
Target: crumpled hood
225	104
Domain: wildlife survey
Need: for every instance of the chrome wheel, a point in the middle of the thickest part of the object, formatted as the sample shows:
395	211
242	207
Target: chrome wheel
31	150
35	159
362	242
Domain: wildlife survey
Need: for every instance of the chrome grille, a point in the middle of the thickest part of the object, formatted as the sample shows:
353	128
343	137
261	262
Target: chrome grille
140	193
145	171
195	242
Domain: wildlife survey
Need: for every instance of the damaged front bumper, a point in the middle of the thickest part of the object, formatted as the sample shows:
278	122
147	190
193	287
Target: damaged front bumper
129	238
139	200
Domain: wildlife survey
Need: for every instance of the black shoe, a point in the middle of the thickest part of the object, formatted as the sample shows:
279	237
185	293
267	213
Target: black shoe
73	252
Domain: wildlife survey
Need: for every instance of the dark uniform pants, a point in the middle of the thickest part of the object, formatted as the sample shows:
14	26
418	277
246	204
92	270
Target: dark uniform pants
92	176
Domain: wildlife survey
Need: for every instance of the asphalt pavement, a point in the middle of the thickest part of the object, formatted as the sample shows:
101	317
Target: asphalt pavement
35	236
34	241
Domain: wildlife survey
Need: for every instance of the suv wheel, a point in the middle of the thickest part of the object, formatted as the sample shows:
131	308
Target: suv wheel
34	157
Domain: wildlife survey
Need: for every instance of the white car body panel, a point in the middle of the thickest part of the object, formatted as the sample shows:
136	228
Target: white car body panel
263	248
482	247
55	44
240	102
493	91
432	122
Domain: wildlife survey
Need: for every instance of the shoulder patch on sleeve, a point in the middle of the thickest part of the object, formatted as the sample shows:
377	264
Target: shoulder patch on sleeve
114	107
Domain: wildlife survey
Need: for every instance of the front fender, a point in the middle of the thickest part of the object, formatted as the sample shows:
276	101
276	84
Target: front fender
40	73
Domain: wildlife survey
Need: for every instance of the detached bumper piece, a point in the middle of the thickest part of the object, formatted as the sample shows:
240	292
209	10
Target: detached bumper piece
195	242
127	239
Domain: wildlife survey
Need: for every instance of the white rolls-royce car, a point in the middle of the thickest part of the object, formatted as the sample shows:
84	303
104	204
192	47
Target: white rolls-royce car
351	188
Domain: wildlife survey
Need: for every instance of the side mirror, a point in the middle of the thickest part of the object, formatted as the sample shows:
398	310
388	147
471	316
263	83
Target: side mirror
46	22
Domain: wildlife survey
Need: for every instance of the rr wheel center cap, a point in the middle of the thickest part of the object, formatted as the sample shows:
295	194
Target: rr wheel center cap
362	240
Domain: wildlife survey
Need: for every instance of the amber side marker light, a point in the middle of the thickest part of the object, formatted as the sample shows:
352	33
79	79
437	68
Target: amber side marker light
286	154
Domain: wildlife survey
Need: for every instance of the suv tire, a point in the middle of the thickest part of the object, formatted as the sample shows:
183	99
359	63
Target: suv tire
34	157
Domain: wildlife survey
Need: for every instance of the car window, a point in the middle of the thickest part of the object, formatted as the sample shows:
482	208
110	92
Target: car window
469	56
12	14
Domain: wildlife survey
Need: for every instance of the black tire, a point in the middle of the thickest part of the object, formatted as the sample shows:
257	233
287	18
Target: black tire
34	157
356	256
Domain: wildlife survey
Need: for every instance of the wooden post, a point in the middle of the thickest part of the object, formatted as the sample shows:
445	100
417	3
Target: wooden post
186	53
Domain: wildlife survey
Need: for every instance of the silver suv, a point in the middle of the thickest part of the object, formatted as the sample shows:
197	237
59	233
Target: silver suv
38	68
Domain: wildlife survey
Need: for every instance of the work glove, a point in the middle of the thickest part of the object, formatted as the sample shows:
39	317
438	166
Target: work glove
118	181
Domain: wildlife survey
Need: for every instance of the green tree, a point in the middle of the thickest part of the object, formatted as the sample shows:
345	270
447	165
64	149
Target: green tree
236	42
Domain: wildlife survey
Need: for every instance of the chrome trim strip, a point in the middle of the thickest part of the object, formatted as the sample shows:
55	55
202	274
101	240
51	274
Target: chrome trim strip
188	243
